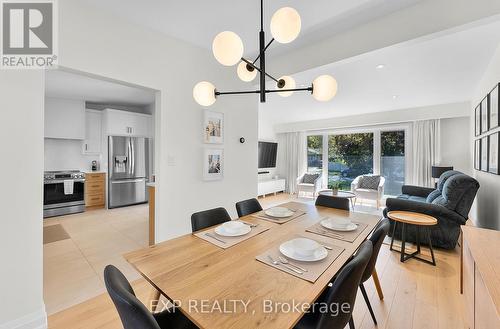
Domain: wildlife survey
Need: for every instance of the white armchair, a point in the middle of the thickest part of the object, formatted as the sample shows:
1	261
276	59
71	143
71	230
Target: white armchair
309	187
363	190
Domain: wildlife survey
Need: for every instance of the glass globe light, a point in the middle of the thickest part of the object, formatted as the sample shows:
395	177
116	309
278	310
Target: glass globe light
227	48
244	73
204	93
285	25
289	84
324	88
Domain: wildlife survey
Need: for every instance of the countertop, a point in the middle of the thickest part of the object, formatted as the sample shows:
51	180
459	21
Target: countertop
152	184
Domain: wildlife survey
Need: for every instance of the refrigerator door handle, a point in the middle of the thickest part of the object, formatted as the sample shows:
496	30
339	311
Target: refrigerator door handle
128	181
132	168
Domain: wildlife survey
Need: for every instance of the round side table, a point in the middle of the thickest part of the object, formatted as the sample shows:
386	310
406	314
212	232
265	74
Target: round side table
340	194
420	221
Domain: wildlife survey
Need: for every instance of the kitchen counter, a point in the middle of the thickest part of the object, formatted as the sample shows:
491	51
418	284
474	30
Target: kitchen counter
152	184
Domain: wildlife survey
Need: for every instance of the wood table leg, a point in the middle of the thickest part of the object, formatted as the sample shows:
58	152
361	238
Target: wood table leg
377	284
154	299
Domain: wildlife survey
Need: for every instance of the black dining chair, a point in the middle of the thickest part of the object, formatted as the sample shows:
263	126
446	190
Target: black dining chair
207	218
342	292
377	238
333	202
133	313
248	207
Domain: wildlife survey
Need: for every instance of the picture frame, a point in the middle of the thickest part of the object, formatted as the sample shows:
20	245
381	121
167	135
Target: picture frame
477	154
213	127
493	151
477	121
494	107
213	164
485	115
484	154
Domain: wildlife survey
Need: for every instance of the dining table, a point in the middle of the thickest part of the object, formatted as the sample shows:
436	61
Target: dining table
229	288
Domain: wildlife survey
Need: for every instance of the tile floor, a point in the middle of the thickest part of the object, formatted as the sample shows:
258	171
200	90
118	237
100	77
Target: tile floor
73	268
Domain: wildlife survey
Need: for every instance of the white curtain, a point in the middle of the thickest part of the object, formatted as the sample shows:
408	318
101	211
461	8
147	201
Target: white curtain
292	158
426	151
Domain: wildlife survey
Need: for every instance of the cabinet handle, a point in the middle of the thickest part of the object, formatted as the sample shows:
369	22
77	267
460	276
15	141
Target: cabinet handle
86	147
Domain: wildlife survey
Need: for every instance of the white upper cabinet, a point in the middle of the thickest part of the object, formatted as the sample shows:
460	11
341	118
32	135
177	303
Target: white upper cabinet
123	123
64	118
93	132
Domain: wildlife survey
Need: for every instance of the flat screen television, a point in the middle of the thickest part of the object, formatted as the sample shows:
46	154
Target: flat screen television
267	154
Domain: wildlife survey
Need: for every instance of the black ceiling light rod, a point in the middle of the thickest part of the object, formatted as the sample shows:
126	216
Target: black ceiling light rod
228	50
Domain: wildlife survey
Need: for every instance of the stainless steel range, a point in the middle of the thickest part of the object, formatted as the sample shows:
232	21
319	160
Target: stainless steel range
63	192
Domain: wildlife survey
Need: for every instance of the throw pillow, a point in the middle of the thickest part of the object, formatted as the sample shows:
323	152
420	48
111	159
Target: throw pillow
310	178
369	182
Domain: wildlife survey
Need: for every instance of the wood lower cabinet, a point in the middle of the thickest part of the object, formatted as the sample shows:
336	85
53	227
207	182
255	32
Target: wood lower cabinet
480	277
95	190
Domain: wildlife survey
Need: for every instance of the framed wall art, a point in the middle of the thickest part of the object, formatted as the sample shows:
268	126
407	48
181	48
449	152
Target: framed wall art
477	120
485	115
493	105
213	164
493	150
484	153
213	127
477	154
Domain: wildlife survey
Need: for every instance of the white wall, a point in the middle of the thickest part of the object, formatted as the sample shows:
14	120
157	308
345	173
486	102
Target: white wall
487	208
21	142
455	145
97	43
66	154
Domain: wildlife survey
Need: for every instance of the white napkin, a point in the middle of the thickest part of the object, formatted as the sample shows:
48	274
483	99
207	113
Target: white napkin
68	186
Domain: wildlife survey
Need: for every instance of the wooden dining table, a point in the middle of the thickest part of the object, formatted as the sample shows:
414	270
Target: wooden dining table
228	288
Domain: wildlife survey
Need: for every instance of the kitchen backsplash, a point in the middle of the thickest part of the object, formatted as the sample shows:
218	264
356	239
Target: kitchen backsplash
66	154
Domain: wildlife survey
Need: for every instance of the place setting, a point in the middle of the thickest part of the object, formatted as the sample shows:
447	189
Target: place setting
231	233
340	228
279	215
302	257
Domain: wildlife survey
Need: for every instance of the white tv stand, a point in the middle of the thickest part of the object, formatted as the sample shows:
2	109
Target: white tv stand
268	186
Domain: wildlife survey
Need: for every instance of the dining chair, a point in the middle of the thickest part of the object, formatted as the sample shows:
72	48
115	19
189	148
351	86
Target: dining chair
132	312
248	207
341	293
207	218
377	238
333	202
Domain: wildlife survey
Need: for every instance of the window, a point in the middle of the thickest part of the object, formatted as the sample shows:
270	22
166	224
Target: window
392	160
314	154
349	155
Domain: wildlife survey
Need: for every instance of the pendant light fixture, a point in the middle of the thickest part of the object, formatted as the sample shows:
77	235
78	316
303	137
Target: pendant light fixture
228	50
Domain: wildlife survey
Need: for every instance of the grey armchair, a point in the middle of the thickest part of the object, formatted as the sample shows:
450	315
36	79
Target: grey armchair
450	203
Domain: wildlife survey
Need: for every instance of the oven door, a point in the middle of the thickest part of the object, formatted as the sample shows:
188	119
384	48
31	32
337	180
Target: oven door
54	197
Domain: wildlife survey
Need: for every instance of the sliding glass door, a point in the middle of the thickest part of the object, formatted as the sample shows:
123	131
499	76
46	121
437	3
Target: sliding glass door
392	160
343	156
349	155
315	154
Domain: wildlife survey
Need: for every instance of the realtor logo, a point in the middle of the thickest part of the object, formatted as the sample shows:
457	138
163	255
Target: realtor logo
28	34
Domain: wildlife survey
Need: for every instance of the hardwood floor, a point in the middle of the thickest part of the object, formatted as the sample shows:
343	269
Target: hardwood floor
417	295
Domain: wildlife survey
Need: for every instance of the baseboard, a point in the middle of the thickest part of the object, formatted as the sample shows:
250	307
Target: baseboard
35	320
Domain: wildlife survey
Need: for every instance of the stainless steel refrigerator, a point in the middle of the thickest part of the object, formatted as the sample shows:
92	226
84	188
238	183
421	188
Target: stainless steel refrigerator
128	170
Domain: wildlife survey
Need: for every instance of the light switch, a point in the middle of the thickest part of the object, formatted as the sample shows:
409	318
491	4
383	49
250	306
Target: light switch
170	160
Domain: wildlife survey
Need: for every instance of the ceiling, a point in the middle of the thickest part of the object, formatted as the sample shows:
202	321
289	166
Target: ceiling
68	85
199	21
433	70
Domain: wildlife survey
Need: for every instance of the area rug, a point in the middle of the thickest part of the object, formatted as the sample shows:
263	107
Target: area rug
54	233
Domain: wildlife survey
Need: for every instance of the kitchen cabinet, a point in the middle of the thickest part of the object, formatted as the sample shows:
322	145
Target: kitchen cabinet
64	118
93	132
123	123
95	190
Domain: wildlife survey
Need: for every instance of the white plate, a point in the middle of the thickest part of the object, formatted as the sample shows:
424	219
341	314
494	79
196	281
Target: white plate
244	230
287	249
327	223
279	212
